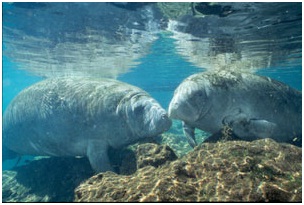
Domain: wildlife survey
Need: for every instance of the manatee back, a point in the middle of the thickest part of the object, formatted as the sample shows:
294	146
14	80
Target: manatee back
254	91
271	98
233	96
260	98
56	115
279	103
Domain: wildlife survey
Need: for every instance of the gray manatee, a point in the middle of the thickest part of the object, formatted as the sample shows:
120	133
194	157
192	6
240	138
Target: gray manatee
252	106
81	117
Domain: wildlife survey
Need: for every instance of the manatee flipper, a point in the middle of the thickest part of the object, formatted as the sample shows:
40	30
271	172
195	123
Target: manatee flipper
98	156
248	128
189	133
236	115
253	128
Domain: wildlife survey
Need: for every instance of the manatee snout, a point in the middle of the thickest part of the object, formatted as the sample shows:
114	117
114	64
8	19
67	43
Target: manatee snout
170	110
184	110
165	122
151	121
161	121
173	107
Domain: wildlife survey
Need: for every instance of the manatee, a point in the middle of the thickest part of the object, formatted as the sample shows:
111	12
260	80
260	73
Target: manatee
73	116
252	106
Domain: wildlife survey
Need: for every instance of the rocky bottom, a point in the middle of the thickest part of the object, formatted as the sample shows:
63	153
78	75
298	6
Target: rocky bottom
45	180
226	171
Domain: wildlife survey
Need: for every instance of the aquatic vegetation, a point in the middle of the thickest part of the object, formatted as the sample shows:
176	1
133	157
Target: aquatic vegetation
257	171
226	132
239	171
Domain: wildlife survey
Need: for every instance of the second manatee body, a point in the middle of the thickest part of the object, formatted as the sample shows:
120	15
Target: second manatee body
81	117
252	106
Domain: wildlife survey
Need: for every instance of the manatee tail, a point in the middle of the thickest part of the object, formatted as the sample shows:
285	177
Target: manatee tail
8	154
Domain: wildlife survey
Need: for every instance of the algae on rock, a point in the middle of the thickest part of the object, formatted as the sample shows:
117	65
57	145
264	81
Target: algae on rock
54	179
238	171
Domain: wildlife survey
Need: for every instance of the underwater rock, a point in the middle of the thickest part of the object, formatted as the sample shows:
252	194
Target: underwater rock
54	179
128	160
45	180
154	155
176	140
239	171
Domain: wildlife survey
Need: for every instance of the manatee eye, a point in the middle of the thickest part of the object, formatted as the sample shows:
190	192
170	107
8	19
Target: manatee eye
138	110
199	99
199	94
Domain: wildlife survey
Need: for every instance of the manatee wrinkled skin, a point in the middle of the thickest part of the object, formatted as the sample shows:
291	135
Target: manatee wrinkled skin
251	105
81	117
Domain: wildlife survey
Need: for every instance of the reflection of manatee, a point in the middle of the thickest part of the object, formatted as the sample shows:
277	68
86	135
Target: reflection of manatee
81	117
93	36
252	106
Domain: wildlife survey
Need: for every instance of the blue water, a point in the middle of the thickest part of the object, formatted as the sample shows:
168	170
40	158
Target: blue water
161	71
157	74
14	81
47	51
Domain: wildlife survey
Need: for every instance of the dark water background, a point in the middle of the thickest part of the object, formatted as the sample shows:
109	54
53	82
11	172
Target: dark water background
151	45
